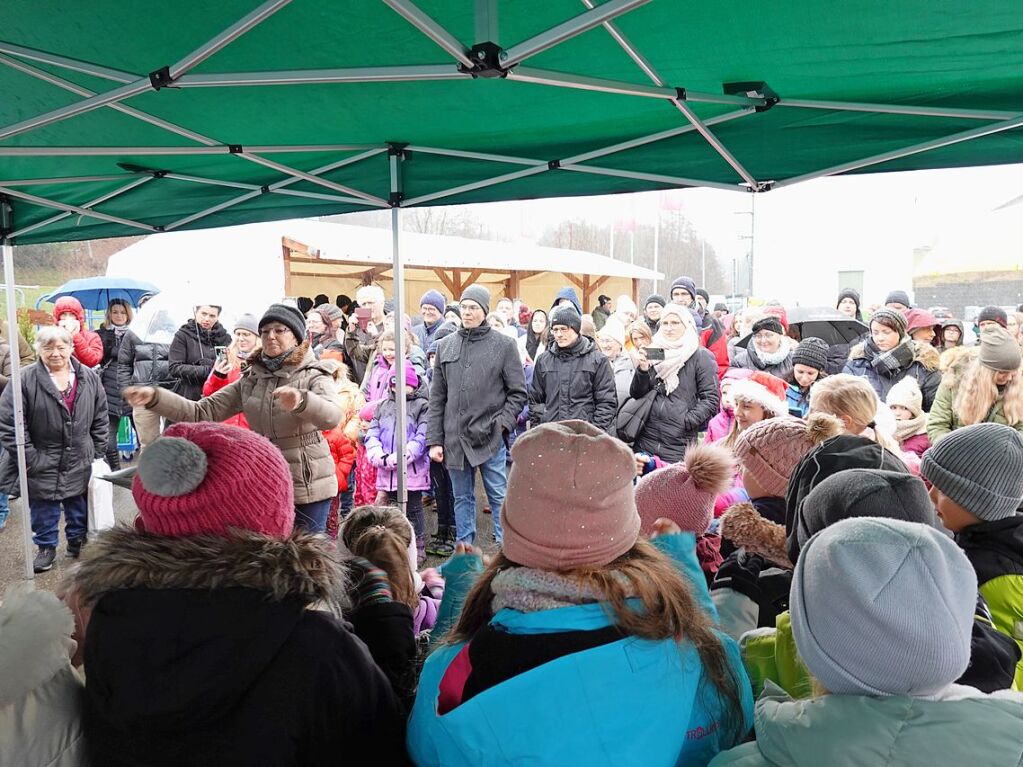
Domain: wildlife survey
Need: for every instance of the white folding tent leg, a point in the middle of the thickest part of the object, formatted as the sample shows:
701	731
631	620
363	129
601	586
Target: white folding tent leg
6	219
400	352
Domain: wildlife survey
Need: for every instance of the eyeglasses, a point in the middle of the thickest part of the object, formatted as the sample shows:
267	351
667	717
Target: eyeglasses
267	332
470	308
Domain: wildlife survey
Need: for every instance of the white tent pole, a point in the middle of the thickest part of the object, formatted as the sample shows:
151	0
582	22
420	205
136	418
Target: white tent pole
421	21
64	180
486	21
379	202
120	151
477	185
91	204
657	178
716	144
400	352
46	203
926	146
897	109
75	65
657	241
241	185
6	224
575	26
395	74
148	82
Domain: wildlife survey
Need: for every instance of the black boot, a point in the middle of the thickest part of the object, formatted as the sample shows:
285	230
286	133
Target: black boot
74	546
44	559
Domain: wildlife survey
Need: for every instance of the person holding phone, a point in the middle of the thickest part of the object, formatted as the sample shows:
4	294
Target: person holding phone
361	338
192	352
233	360
683	376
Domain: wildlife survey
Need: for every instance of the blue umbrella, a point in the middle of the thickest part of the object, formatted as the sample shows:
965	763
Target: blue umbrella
95	293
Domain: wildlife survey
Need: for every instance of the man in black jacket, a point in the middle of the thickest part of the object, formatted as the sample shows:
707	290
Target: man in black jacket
478	391
193	350
573	380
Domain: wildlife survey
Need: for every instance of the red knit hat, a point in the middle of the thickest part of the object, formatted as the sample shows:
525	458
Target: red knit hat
685	492
570	501
208	478
766	390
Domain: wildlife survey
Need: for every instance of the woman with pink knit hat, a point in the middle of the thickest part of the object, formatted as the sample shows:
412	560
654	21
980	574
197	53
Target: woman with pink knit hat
212	633
576	615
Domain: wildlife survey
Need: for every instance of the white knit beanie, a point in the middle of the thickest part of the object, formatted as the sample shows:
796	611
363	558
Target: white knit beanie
907	394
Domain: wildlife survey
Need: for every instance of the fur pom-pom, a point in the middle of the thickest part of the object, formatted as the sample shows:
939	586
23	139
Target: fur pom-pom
823	426
746	529
171	467
711	468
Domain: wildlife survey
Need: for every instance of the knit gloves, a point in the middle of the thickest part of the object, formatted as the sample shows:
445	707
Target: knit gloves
370	584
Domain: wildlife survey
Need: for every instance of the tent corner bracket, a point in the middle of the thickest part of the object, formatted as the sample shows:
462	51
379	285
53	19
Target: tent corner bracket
553	164
161	78
757	89
398	149
487	58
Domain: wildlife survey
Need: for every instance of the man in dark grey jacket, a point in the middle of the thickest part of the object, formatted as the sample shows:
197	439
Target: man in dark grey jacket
477	394
573	380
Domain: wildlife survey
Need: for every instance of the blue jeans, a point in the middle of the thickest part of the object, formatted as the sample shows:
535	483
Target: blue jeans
463	484
46	519
347	498
312	517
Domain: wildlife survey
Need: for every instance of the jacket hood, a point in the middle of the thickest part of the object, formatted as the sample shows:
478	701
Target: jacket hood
69	304
35	640
571	295
855	731
923	353
181	629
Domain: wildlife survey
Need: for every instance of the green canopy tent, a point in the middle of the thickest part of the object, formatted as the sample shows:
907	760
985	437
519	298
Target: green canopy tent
120	120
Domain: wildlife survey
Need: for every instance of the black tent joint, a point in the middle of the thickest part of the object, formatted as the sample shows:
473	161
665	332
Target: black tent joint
398	149
395	199
6	218
161	78
235	148
553	164
487	57
755	89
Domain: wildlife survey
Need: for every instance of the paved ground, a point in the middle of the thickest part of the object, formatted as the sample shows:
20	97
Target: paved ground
12	561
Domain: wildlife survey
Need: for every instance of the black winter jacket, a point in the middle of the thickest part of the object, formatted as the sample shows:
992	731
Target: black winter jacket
109	371
196	656
676	419
923	367
60	446
192	355
573	383
142	363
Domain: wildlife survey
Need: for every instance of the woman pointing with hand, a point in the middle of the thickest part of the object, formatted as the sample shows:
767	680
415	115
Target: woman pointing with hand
287	396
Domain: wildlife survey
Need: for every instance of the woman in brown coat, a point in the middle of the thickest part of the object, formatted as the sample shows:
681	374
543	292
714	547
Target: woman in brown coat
287	396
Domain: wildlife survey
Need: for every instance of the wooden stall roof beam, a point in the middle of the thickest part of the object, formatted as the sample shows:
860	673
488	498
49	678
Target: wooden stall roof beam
591	288
447	282
287	266
295	245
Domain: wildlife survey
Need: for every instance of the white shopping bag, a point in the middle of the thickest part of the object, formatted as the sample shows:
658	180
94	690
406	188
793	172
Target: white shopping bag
101	498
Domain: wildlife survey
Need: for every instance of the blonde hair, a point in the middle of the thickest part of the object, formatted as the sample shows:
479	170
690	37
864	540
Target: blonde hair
851	397
667	611
109	323
977	394
640	326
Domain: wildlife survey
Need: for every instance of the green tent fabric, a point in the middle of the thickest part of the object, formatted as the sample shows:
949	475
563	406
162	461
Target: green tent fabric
809	54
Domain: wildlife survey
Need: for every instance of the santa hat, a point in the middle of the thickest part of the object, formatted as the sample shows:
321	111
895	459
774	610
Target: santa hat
685	492
764	389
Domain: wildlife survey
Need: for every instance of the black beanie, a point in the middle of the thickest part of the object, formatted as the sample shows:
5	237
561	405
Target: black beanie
770	322
812	352
849	293
655	298
288	316
700	292
567	316
993	314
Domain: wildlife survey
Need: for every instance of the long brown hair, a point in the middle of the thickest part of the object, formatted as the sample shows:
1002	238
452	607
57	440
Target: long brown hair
668	611
978	393
382	535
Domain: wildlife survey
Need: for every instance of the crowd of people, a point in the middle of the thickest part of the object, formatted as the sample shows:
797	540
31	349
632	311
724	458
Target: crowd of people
715	541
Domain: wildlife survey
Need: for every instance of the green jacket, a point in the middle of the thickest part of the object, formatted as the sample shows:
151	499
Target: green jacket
857	731
942	420
995	549
770	655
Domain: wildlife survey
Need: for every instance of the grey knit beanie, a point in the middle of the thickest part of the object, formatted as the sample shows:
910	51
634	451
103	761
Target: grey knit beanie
567	316
980	467
477	294
289	316
247	322
863	493
890	319
999	350
812	352
855	603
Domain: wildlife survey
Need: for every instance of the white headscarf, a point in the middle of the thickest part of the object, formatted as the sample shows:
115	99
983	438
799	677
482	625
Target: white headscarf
676	353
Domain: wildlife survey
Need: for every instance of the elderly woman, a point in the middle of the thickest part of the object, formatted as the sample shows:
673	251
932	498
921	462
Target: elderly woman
685	386
65	429
111	333
611	340
768	350
287	396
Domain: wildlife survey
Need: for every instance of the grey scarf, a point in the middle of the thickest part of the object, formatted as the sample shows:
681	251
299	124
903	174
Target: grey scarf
273	364
890	362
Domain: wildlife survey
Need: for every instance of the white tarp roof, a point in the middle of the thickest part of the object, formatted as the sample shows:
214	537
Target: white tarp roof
245	263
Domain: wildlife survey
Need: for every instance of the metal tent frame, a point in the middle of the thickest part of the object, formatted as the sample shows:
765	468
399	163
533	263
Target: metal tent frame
484	59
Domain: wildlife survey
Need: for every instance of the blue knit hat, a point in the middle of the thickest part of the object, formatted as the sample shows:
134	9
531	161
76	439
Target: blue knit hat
856	600
434	299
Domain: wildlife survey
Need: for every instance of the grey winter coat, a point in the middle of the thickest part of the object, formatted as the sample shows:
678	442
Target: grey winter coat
478	391
749	359
59	446
573	383
298	434
623	370
359	346
676	419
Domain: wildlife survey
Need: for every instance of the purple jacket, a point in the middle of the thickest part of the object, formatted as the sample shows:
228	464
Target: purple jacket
381	447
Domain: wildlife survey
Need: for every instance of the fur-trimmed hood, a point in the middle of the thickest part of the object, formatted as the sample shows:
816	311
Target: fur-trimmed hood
301	567
301	358
746	529
923	353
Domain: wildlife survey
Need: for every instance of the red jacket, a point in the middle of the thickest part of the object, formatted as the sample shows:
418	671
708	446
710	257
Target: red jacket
713	340
215	383
88	346
343	453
